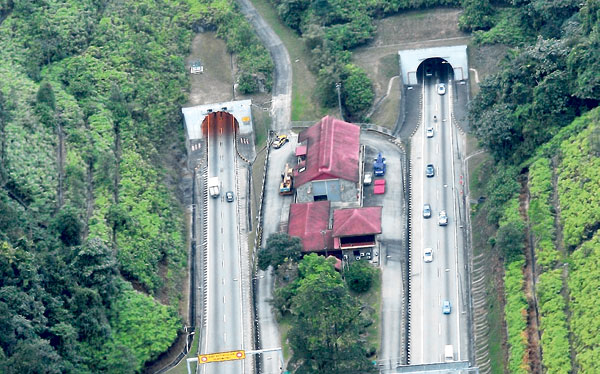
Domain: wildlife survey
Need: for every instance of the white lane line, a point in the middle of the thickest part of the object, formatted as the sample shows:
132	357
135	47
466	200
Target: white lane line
222	263
225	337
223	299
439	329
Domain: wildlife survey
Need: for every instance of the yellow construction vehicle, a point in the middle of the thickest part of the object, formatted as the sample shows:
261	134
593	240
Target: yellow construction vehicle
287	181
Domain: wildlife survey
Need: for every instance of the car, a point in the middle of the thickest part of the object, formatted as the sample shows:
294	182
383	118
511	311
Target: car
441	88
368	179
428	255
229	196
443	218
426	211
280	141
446	307
430	132
429	170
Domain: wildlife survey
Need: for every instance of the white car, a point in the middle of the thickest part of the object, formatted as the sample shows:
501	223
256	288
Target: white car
430	132
441	88
368	179
443	218
428	255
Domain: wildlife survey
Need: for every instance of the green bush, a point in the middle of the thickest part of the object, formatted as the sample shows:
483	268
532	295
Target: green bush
515	314
578	171
359	276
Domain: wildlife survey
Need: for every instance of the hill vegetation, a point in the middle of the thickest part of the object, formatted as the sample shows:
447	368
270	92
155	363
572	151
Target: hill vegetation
538	118
92	245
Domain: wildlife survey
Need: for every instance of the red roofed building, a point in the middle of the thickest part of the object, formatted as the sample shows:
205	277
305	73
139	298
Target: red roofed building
330	169
354	230
310	222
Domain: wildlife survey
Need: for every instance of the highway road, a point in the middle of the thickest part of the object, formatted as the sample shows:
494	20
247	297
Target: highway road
441	279
224	330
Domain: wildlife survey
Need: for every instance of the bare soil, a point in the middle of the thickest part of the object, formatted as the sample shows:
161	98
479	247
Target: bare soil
534	350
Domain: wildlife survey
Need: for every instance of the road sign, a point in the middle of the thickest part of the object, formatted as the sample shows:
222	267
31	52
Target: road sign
221	356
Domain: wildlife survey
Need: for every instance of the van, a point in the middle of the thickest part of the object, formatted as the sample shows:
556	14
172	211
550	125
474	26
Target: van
448	353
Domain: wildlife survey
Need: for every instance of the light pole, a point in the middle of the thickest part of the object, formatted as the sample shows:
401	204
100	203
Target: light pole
338	85
323	232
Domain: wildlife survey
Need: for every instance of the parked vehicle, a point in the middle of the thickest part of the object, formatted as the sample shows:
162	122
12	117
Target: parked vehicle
379	187
213	186
368	179
280	141
379	166
287	181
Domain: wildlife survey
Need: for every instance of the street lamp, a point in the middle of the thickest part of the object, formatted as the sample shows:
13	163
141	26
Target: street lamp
323	232
338	85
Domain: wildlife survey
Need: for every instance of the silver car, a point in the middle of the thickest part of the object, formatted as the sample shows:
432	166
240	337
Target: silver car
428	255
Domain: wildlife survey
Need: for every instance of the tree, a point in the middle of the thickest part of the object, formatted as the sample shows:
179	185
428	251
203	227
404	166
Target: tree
280	248
509	239
357	93
326	323
359	276
477	15
69	226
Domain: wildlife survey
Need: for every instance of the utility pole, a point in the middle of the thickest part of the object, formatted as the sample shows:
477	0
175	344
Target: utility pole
337	87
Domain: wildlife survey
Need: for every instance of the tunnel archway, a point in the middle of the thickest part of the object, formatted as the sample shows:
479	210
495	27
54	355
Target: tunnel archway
219	123
436	68
411	60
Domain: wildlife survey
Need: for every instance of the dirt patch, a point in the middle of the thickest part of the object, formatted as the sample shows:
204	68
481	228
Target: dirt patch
534	351
215	84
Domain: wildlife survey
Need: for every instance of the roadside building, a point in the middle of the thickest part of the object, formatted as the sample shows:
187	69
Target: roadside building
354	231
329	163
310	222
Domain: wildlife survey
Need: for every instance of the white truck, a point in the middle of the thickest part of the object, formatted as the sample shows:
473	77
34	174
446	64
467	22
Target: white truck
448	353
213	186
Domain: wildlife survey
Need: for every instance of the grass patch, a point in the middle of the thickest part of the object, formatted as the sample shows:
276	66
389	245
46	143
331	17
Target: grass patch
182	367
261	120
479	170
304	104
387	113
285	324
372	298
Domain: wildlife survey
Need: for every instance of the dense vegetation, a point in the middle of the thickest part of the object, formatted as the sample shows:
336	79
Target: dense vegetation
330	29
534	117
91	234
328	325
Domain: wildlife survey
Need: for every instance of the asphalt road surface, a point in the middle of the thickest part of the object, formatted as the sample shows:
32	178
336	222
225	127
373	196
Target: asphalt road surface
224	305
442	279
275	206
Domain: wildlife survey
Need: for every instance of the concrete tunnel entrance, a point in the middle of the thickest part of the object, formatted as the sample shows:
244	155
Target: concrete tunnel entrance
436	68
219	123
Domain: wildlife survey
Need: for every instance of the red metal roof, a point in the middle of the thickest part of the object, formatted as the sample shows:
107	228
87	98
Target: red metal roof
301	150
379	187
332	151
358	221
309	222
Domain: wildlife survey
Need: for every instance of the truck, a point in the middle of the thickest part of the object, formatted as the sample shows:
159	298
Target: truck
448	353
287	181
379	166
213	186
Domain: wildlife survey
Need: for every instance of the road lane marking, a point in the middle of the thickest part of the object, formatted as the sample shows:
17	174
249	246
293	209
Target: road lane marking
225	337
439	329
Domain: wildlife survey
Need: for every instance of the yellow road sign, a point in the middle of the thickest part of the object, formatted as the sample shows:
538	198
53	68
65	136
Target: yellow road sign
221	356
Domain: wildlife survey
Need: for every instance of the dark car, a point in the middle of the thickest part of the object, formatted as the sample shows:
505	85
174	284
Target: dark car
229	196
429	170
